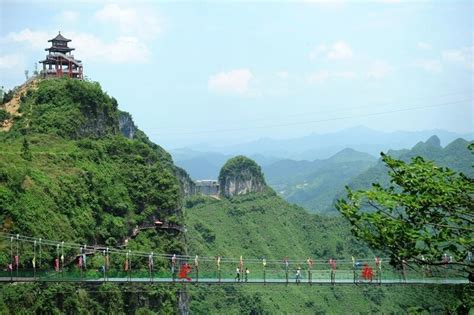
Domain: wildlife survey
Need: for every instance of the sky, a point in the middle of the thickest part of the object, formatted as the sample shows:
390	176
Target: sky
227	72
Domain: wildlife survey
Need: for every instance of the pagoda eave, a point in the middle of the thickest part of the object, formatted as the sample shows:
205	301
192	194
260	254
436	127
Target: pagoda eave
59	49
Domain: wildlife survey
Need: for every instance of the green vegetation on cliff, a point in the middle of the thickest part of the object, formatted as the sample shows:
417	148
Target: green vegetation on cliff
264	225
67	173
258	225
241	168
240	175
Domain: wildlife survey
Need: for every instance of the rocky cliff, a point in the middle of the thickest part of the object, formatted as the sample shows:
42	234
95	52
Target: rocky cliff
126	125
186	184
240	175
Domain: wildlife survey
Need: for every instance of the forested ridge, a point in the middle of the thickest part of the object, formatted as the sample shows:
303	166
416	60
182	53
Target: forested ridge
67	173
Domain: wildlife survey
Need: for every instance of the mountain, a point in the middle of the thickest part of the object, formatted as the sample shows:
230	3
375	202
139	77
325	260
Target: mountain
262	224
206	165
455	156
74	168
322	146
313	185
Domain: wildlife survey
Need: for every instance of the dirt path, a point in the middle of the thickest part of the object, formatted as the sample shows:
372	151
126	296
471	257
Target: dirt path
13	105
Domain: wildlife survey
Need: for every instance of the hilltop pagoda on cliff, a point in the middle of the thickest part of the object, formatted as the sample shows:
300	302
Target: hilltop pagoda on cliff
59	61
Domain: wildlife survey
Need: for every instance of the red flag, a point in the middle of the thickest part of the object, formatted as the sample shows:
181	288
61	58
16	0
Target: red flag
17	260
56	264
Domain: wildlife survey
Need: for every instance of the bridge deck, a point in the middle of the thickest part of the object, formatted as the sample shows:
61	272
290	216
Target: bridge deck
232	281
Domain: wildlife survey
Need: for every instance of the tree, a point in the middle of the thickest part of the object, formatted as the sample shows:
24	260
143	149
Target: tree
426	212
26	74
25	150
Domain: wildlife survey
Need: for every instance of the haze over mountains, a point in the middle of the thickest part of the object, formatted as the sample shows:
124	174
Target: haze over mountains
204	161
317	182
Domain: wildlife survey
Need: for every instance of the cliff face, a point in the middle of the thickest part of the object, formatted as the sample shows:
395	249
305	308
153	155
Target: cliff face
186	184
126	125
240	175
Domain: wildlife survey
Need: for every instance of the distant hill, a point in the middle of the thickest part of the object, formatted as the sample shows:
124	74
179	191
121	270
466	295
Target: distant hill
455	156
313	184
322	146
206	165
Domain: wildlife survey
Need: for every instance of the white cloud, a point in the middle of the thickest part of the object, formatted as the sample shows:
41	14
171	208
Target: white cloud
234	82
340	50
324	75
35	39
68	17
424	46
379	69
282	75
429	65
122	50
463	57
131	21
10	61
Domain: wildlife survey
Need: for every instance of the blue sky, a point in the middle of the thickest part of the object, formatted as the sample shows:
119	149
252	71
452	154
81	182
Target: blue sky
229	72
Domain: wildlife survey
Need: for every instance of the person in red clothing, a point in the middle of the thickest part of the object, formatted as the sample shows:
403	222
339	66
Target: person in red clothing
184	271
367	272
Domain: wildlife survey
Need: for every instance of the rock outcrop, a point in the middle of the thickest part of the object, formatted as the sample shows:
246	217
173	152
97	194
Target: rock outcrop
186	184
240	175
126	125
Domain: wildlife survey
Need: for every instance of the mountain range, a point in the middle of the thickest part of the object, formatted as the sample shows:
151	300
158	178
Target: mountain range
204	161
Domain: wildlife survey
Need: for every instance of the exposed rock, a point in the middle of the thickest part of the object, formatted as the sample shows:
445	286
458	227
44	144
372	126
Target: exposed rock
186	184
240	175
126	125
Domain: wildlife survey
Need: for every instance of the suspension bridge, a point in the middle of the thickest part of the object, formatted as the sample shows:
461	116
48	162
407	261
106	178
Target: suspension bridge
29	259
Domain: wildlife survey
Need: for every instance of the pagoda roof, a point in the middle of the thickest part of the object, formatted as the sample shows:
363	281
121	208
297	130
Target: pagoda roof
59	38
59	48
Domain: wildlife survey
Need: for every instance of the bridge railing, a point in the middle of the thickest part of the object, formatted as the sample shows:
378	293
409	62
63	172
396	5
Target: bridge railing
44	260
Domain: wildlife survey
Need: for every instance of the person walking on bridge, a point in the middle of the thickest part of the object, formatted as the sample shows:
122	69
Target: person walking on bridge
332	265
237	275
218	265
298	275
310	263
378	270
173	267
196	266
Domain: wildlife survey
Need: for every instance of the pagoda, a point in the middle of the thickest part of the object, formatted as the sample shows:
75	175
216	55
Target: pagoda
59	61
